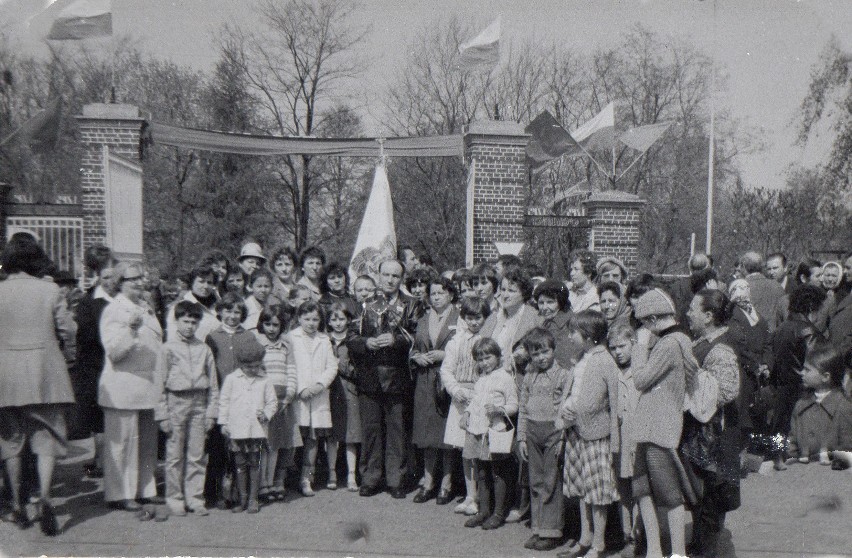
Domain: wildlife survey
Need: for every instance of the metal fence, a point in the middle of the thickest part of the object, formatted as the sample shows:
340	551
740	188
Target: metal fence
61	238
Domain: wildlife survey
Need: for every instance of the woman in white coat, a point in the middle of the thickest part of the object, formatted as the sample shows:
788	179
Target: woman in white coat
316	368
129	391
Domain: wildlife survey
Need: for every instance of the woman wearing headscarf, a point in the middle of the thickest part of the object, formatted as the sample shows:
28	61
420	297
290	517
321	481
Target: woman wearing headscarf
35	328
749	336
614	306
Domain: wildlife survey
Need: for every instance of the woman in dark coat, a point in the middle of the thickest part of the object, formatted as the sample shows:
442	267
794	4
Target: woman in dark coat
551	298
434	330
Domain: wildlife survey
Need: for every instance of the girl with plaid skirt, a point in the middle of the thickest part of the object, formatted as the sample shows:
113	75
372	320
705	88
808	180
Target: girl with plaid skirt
592	432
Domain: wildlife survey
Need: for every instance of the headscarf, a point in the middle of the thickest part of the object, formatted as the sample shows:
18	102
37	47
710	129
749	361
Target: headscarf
740	293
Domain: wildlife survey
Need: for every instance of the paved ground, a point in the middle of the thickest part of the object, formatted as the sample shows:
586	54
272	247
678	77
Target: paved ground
805	511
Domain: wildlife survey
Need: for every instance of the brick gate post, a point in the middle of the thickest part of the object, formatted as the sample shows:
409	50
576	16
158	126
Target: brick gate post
117	126
498	180
614	217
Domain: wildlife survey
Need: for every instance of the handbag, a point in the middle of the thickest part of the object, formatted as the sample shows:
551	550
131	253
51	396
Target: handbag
442	398
501	441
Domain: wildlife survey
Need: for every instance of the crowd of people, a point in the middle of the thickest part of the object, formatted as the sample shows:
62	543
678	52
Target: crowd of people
505	393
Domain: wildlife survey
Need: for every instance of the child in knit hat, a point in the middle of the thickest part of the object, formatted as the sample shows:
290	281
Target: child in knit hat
247	403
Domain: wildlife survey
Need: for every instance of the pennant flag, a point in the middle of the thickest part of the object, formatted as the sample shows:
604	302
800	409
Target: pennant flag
482	50
83	19
376	237
42	130
602	120
549	139
643	137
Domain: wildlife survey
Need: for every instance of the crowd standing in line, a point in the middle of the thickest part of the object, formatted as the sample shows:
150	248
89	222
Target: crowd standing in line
504	392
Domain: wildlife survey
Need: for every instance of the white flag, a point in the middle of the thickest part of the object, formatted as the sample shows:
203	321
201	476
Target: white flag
482	50
376	237
83	19
603	119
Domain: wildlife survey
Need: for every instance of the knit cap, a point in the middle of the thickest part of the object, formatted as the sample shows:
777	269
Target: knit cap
613	261
654	303
247	349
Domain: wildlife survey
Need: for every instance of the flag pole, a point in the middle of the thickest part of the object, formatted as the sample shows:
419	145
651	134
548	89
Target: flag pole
708	243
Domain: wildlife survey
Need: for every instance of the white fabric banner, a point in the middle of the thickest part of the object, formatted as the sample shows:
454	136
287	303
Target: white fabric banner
376	237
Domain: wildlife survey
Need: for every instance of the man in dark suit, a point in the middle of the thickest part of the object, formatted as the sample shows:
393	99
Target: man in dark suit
379	350
681	290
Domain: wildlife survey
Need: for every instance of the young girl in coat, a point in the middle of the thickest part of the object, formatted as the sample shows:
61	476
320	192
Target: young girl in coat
345	413
590	416
315	368
495	397
283	435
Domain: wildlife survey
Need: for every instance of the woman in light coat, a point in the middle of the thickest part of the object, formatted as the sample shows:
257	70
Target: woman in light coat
34	382
129	391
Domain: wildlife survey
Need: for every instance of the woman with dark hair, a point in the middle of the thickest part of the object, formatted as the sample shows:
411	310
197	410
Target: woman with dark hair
584	272
551	298
417	283
484	281
217	261
434	331
202	290
311	263
809	272
35	329
334	286
712	449
614	306
514	320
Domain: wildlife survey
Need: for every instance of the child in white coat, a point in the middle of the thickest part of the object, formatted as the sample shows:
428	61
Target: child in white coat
316	368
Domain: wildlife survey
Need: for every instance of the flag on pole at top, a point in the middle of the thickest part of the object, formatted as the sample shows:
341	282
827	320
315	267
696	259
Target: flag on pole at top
482	51
82	19
376	237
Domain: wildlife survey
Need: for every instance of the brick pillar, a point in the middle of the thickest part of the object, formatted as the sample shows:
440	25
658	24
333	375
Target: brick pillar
117	126
499	177
614	217
5	189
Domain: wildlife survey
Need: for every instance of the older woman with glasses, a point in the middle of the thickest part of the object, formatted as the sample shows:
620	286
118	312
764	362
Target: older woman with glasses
129	391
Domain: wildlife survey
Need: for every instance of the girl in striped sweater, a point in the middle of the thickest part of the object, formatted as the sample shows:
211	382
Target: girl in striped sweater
283	434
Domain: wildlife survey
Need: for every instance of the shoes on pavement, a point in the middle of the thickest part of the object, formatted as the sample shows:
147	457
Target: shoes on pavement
177	511
126	505
200	511
546	544
494	522
367	490
475	521
253	507
472	509
575	551
397	493
19	518
444	498
462	506
424	495
531	542
516	516
306	489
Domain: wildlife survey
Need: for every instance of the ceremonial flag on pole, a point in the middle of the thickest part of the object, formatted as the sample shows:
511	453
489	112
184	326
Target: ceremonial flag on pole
601	121
482	50
42	130
83	19
376	237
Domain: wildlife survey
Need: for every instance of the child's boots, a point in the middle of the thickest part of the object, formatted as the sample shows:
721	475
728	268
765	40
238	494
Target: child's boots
254	484
242	487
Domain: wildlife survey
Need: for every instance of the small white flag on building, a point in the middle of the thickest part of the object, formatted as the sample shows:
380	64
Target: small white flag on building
482	50
376	237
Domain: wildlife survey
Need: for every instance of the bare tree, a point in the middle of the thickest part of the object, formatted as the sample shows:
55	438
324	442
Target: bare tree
302	57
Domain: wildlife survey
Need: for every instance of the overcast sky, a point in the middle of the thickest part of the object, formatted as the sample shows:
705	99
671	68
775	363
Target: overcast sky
767	47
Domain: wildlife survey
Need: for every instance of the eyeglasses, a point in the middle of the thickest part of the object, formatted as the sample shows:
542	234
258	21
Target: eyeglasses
134	278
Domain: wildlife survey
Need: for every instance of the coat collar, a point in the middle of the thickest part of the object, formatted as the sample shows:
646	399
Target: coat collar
830	403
